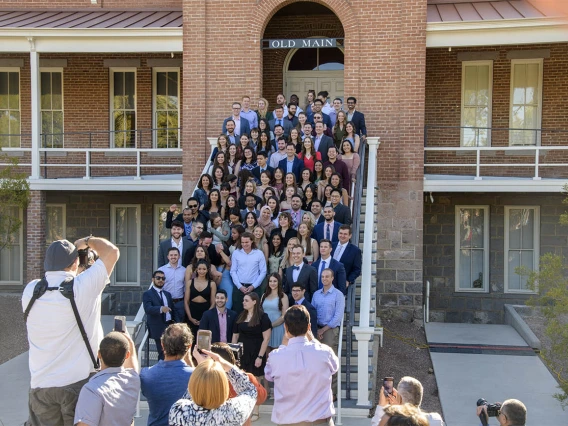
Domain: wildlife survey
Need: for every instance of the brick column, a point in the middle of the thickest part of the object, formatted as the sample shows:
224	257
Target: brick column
34	250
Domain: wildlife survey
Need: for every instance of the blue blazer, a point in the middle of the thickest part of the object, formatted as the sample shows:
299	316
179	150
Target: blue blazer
338	271
210	321
352	261
313	316
245	126
155	320
358	121
319	231
297	167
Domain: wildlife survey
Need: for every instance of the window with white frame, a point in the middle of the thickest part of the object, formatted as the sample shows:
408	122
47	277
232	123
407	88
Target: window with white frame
11	249
55	223
522	237
123	107
51	82
166	107
125	234
477	82
526	102
472	248
10	107
161	233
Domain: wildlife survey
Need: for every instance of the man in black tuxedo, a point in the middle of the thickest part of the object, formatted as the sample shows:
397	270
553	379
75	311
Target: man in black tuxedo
300	273
356	117
261	160
342	213
322	143
298	294
158	305
219	319
348	254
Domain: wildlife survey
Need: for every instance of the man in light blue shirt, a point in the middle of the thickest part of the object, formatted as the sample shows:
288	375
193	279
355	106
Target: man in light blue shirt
248	270
330	306
248	113
175	281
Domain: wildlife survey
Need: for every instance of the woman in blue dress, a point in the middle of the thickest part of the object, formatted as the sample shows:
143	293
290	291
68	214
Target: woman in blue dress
274	303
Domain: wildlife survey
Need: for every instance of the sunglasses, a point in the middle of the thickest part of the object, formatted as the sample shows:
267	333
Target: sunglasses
193	206
160	278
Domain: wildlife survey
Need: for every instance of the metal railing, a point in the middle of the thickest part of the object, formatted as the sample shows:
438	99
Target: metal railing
352	289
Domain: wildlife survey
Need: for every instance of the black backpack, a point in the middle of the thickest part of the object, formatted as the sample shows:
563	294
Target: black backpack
66	289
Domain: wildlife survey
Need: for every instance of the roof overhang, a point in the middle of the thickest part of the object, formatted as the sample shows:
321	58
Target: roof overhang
492	33
94	40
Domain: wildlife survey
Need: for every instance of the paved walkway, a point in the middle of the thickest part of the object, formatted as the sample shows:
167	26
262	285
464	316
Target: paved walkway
473	361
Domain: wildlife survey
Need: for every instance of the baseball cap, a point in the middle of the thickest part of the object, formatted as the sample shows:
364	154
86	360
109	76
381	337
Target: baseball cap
60	254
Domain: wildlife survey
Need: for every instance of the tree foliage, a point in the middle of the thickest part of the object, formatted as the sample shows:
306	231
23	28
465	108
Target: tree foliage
14	194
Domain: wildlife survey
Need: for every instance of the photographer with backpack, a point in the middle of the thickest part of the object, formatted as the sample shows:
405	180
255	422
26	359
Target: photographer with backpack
63	319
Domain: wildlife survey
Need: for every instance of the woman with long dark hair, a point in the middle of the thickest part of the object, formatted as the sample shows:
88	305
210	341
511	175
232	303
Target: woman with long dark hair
275	253
264	144
204	186
213	203
199	295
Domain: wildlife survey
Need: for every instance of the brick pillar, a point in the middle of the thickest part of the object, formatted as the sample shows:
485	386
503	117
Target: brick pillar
34	251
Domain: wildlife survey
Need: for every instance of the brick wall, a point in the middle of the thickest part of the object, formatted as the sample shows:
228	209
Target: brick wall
34	247
443	108
439	253
89	213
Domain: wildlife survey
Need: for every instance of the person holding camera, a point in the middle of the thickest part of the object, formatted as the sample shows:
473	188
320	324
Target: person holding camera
207	400
166	382
511	413
409	391
63	319
111	395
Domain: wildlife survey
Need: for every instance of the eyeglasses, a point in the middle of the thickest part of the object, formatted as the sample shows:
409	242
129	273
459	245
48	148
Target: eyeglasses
157	278
193	206
296	291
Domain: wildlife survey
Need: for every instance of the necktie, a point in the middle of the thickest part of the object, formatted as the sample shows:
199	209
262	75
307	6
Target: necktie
338	252
328	232
320	284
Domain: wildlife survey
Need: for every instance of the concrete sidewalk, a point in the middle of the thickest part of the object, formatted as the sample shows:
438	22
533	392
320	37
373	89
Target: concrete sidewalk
501	367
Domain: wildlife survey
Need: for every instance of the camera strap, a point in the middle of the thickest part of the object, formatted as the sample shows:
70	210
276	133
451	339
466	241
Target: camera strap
66	288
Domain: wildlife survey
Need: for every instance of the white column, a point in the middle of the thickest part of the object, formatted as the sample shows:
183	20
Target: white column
363	332
36	120
212	143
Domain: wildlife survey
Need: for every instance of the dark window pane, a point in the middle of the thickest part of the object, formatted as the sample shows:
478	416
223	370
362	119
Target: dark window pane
161	83
304	60
330	59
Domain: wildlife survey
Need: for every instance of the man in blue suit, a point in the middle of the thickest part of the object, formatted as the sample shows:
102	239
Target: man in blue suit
242	125
348	254
219	317
299	298
356	117
292	164
158	305
326	261
328	229
279	120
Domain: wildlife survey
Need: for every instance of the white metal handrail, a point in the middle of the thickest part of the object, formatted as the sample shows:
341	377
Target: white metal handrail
339	351
537	164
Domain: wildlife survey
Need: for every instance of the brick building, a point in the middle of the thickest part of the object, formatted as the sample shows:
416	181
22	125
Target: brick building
108	106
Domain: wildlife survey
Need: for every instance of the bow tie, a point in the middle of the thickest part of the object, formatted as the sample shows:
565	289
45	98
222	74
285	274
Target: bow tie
296	268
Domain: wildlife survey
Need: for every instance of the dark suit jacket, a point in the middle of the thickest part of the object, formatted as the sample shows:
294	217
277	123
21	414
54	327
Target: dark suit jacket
155	320
290	233
165	246
202	217
256	172
352	261
338	270
286	125
341	168
325	143
297	167
313	315
319	231
358	121
294	121
320	219
245	211
308	278
210	321
325	118
211	251
343	214
245	126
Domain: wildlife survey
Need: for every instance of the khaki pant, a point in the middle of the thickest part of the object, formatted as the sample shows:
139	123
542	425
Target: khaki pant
331	339
54	406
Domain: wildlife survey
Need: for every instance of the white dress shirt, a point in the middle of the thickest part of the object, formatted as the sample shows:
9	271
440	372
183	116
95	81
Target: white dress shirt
296	272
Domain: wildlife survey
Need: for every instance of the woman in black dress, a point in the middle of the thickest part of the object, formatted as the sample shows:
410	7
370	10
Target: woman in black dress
253	328
200	296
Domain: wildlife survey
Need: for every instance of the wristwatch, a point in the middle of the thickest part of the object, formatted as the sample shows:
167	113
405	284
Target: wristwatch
260	357
86	239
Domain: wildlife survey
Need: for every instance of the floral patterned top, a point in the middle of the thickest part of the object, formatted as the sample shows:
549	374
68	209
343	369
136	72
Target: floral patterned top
234	412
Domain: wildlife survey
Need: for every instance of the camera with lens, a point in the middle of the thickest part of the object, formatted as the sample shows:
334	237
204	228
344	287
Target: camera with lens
87	257
492	410
237	349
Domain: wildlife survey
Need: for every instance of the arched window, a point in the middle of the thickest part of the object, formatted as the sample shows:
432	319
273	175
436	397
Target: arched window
315	59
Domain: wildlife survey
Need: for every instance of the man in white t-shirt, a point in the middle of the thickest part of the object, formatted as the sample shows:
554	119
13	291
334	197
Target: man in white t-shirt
60	363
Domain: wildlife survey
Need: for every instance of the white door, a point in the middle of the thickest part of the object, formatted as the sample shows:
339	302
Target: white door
299	82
